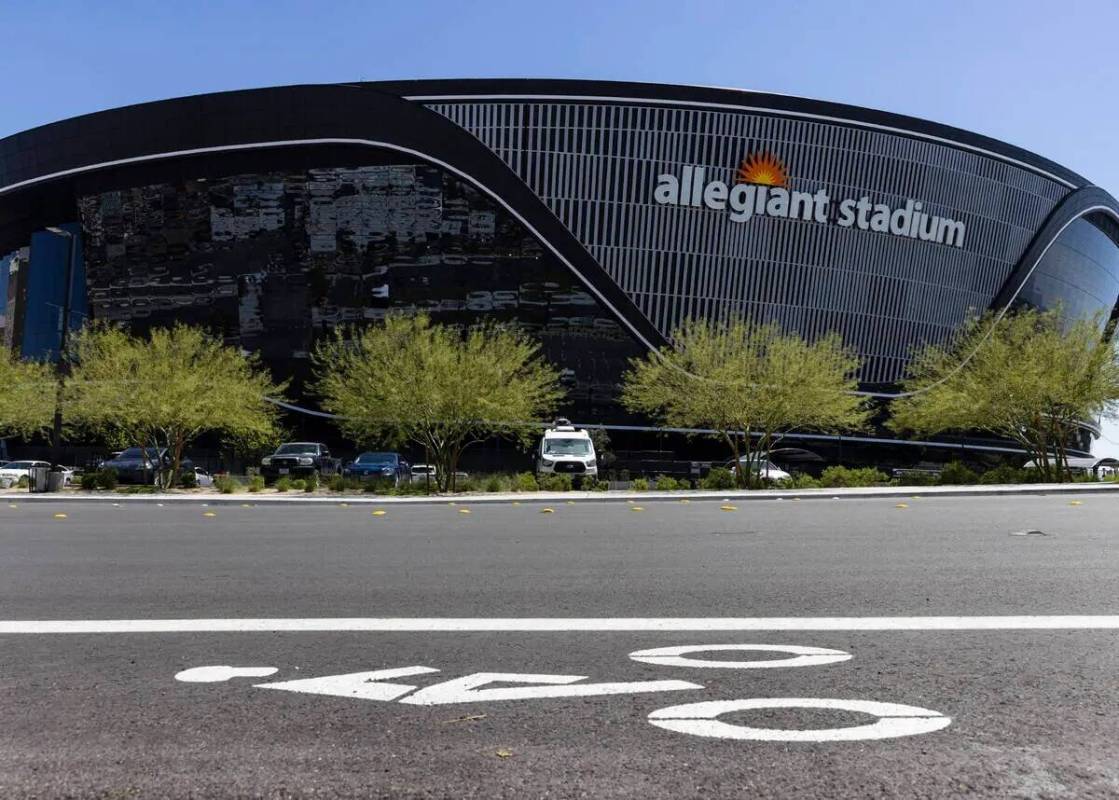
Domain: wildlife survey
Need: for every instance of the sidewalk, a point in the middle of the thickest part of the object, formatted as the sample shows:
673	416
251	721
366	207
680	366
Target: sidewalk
301	498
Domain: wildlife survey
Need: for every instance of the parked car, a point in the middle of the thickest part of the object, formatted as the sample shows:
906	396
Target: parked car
11	472
423	472
202	478
762	467
143	465
299	459
389	466
566	450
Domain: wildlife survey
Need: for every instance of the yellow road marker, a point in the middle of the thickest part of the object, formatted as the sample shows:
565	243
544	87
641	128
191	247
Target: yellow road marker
1076	503
378	513
60	516
209	514
685	501
902	505
636	508
547	511
464	511
728	508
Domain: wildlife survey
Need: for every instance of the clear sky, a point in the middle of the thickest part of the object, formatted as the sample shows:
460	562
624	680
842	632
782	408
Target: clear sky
1042	75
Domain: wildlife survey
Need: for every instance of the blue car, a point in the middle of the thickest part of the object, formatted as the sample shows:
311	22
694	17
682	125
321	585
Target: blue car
388	466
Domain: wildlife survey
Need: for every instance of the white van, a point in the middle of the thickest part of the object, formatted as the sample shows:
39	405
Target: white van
566	450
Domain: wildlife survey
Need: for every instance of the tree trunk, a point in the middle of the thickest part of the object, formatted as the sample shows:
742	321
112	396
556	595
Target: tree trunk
733	442
177	457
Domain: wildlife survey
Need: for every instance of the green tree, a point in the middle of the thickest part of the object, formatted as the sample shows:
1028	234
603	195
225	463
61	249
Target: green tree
439	387
1030	376
27	391
749	383
166	390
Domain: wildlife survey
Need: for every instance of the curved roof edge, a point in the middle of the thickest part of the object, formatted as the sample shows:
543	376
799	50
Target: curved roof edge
612	91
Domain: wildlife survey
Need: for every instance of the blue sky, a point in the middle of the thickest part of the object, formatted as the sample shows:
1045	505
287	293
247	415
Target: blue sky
1041	75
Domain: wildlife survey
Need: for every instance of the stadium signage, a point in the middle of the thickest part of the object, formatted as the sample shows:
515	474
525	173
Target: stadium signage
762	190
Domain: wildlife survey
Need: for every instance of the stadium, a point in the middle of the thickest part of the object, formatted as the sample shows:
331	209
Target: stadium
597	215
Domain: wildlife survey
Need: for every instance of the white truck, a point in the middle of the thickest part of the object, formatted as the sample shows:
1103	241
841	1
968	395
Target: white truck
566	450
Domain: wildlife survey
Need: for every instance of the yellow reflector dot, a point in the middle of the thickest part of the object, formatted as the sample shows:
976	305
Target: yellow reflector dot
728	508
209	514
636	508
60	516
547	511
464	511
379	513
1076	503
902	505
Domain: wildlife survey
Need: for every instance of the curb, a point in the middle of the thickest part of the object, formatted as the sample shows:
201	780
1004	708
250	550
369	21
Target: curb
557	497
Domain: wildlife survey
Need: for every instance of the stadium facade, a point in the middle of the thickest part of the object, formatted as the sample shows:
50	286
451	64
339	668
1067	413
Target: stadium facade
598	215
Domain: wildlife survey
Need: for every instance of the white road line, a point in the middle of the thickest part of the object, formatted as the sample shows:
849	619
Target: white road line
559	624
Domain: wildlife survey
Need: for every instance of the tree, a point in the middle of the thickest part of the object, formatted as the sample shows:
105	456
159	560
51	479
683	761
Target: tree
1030	376
436	386
744	381
166	390
26	395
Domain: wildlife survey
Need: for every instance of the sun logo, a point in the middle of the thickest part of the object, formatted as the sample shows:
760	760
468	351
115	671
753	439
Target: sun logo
763	168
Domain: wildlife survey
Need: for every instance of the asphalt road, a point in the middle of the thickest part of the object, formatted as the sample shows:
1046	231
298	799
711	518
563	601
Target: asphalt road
1018	713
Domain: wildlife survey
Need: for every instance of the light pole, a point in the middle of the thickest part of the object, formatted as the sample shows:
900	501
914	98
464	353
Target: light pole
63	337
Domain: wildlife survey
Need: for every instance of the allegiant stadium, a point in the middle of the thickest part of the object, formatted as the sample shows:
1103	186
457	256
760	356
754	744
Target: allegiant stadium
596	215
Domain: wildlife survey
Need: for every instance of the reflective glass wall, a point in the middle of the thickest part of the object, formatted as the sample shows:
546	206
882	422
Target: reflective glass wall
1079	272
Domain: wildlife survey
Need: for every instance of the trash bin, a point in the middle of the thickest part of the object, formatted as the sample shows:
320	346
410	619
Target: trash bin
56	479
39	478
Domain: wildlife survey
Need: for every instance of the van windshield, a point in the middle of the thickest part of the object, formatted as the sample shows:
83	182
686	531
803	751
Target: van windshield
567	447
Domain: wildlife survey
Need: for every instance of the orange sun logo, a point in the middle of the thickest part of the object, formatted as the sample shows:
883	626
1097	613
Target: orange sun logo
763	168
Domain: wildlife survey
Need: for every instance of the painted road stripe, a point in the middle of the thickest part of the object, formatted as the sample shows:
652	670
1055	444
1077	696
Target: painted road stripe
560	624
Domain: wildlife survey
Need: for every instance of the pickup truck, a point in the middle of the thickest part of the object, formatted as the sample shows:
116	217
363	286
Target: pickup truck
299	459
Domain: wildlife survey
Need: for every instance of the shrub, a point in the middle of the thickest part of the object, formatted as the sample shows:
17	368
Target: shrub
957	474
594	485
493	484
640	485
88	481
555	483
717	479
226	484
256	483
802	480
844	477
336	483
466	484
106	479
284	484
23	482
1004	473
669	484
188	480
139	489
525	482
311	482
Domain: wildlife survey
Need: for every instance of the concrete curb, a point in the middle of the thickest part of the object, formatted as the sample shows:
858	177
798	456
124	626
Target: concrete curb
298	498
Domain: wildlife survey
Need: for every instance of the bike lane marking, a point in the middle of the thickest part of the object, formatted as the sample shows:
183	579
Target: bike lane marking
800	656
894	720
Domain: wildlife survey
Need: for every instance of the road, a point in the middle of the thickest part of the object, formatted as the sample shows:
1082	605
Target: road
513	633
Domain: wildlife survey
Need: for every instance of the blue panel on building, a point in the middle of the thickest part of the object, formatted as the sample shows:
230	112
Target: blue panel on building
46	287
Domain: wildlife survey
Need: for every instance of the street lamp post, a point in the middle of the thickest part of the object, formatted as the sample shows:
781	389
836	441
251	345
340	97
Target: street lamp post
63	338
